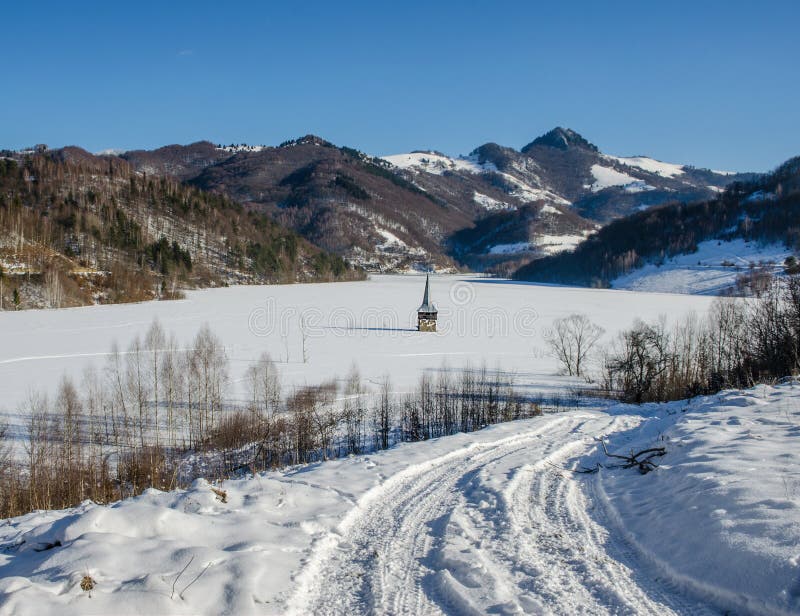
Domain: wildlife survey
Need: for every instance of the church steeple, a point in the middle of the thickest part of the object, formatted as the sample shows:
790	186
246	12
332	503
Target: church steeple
427	313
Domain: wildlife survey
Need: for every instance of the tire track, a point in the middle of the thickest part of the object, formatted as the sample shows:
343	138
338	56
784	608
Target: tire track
481	529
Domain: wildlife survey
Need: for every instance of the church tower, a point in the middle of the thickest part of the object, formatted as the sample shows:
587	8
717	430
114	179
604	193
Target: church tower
426	313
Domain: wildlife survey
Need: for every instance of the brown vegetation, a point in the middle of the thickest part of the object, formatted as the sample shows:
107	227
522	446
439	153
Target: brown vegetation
79	229
739	343
158	416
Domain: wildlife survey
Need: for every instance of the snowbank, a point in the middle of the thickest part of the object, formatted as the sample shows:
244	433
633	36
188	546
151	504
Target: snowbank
247	551
720	518
464	524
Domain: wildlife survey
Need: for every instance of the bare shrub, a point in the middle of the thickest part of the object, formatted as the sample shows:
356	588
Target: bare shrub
572	340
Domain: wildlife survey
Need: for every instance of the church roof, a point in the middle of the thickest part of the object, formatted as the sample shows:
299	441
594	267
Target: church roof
427	305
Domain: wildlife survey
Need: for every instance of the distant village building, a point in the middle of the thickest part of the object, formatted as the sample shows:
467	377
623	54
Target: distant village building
426	313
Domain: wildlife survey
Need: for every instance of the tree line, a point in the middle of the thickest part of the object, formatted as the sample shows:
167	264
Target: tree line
739	343
159	415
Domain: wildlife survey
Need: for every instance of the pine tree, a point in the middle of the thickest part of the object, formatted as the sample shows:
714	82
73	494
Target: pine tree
16	299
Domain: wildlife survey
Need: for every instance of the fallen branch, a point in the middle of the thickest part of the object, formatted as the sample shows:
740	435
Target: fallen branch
583	470
643	459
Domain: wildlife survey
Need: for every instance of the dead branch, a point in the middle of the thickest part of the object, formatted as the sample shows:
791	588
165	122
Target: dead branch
643	459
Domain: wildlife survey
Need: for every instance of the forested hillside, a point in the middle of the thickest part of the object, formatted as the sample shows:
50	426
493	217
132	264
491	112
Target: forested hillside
77	229
765	209
340	199
424	209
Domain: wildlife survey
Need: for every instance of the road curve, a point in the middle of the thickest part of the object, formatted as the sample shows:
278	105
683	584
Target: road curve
491	528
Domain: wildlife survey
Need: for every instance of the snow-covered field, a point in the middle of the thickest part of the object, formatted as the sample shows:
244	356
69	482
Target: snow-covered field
369	324
711	270
488	522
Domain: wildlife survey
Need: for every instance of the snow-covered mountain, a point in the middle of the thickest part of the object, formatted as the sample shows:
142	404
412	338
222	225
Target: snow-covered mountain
563	168
711	246
425	209
560	170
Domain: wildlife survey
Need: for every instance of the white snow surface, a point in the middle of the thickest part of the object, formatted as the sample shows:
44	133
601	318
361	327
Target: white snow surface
667	170
470	524
605	177
720	518
526	192
711	270
438	163
489	203
553	244
391	241
549	209
543	243
488	522
510	249
370	324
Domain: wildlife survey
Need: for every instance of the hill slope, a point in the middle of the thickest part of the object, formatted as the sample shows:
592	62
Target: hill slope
338	198
78	228
563	168
763	210
423	209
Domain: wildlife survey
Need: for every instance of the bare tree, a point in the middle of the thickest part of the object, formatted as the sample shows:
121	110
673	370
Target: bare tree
642	361
154	343
384	414
572	339
304	338
54	291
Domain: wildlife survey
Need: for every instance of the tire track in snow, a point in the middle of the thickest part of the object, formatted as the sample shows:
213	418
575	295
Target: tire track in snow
396	498
481	529
596	571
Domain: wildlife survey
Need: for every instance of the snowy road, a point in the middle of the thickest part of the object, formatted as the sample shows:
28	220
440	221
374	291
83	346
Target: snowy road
485	522
491	528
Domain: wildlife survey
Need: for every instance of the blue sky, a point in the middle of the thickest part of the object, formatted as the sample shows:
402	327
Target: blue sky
715	84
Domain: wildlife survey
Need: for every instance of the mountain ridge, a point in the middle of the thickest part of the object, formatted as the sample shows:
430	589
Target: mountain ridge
414	211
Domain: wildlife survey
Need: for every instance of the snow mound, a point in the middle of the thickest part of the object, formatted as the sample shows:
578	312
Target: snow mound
720	518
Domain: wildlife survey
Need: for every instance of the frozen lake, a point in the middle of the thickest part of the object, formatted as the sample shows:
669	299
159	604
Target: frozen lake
369	324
